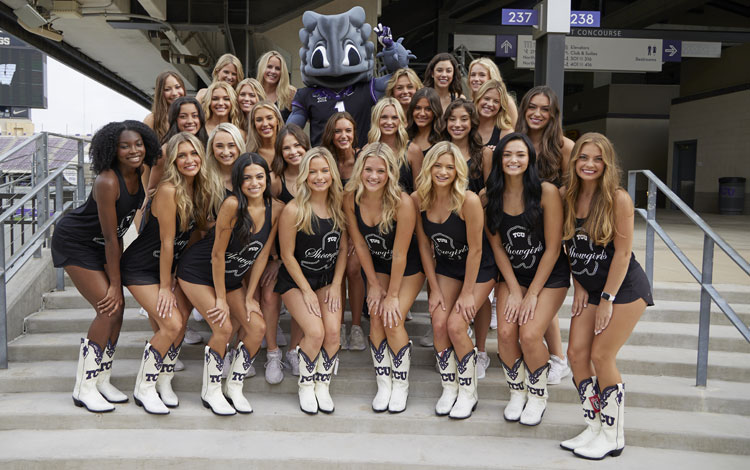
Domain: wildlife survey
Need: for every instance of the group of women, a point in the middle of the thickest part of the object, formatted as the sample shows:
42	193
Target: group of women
470	195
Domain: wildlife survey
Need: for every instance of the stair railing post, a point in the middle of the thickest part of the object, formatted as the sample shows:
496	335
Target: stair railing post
3	304
651	216
80	176
59	203
704	323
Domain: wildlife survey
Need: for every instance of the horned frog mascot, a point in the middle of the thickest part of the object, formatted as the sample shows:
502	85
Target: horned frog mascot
337	62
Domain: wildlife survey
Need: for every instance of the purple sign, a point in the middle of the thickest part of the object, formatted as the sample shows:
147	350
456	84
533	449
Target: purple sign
671	50
585	19
505	45
520	17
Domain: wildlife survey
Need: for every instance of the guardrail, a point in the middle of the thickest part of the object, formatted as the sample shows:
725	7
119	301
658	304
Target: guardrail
33	223
703	276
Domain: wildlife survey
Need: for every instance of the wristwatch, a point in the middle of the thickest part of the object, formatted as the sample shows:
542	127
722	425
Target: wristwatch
608	297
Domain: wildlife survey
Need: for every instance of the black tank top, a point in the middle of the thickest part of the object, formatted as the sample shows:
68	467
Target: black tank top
82	225
494	138
448	238
143	254
284	196
380	244
590	262
476	184
317	252
406	178
525	248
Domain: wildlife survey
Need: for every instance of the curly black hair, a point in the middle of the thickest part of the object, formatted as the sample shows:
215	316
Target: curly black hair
103	149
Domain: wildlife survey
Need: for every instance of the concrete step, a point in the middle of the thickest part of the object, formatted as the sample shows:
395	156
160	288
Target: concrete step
690	291
673	393
313	451
665	334
703	432
648	360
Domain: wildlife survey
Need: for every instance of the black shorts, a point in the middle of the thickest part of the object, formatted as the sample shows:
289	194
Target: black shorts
284	281
559	277
139	278
85	255
635	286
413	264
487	272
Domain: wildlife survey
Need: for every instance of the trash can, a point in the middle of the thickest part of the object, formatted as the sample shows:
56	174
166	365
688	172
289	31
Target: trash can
731	195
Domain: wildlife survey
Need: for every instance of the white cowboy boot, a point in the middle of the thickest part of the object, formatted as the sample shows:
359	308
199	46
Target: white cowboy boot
85	393
536	401
233	385
611	438
108	391
306	382
400	364
468	398
446	361
588	392
515	377
324	372
211	395
144	393
164	383
381	360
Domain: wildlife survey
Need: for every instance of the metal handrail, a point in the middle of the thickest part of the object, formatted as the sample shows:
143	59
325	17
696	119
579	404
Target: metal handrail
42	218
703	276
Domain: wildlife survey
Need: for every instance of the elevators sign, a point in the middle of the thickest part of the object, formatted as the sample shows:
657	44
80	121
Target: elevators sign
599	54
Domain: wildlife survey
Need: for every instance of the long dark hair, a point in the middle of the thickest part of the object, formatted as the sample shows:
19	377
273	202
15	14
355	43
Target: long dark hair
329	132
455	85
244	227
278	165
437	112
475	140
532	187
174	112
550	151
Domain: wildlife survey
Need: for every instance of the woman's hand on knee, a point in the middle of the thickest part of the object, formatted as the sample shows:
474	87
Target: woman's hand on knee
513	305
465	306
603	315
219	313
252	305
112	302
580	300
270	273
375	296
391	312
165	303
435	301
333	297
527	308
311	302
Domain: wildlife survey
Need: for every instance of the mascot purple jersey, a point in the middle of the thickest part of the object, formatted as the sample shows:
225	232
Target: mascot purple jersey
337	62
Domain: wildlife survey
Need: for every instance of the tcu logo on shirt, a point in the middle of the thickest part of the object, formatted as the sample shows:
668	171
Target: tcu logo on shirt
323	258
377	247
520	248
584	257
121	228
445	247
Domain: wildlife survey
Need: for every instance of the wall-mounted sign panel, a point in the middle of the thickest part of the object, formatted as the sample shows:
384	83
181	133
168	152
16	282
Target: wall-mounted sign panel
23	74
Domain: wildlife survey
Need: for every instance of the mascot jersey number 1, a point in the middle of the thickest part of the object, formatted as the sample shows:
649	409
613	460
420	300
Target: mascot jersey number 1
337	62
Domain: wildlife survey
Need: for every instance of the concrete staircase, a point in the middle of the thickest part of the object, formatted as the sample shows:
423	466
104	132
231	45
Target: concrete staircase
669	422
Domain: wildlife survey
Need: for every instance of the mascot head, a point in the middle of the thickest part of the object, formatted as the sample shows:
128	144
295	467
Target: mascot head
335	52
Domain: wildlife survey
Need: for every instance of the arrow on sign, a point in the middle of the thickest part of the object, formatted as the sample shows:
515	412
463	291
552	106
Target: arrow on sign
671	50
505	46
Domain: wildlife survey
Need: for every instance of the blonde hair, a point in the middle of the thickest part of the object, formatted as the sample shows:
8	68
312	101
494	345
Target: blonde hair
284	90
425	194
224	60
402	137
207	189
392	190
503	119
211	163
600	223
260	94
235	115
405	72
254	139
491	69
305	215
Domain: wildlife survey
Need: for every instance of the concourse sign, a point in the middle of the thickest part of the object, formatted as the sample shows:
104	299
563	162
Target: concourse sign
600	54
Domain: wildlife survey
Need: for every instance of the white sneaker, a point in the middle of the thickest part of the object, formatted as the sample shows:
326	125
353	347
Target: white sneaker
179	365
142	312
192	336
558	370
409	316
357	339
292	361
343	338
274	367
483	362
427	340
197	316
493	318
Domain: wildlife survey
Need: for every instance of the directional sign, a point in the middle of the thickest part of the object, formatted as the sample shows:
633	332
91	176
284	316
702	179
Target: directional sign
671	50
585	19
505	46
520	17
599	54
